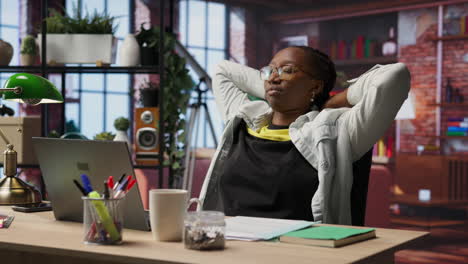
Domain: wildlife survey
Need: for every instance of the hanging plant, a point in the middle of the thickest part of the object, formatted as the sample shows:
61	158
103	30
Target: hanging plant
176	91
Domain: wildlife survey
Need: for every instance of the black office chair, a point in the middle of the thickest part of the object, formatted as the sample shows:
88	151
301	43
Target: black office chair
361	173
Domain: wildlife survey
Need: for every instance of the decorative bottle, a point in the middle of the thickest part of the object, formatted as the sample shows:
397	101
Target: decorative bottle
129	54
448	91
389	47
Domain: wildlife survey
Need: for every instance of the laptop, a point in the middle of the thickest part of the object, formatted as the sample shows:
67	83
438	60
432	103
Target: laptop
62	160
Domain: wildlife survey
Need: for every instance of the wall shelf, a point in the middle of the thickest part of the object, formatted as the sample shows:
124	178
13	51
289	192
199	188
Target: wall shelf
449	104
455	37
135	166
83	69
366	61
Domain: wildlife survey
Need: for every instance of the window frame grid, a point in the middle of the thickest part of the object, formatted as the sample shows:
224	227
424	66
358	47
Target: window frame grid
202	119
104	91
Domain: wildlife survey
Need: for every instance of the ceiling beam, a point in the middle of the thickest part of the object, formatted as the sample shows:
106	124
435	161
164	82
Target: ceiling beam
346	11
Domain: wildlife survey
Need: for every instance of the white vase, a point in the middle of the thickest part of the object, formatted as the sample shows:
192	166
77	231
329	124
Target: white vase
121	135
6	52
129	53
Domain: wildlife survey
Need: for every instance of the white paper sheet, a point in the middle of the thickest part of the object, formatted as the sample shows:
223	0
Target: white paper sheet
257	228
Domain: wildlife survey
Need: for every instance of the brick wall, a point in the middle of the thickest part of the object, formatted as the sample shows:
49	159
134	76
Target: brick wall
420	57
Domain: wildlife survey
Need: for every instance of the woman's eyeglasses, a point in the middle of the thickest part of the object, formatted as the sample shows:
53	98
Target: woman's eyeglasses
285	72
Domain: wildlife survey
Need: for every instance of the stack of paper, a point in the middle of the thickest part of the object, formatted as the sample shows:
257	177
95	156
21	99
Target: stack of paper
257	228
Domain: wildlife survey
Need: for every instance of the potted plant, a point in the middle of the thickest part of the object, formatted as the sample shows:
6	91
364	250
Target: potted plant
177	88
105	136
28	51
6	52
122	124
148	40
80	39
149	94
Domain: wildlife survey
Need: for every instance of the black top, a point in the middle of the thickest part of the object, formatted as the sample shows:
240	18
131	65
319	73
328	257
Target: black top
266	178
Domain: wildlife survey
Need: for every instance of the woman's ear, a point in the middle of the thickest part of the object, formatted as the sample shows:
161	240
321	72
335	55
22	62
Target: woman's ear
316	88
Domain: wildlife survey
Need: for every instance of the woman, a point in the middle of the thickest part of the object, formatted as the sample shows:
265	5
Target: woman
291	156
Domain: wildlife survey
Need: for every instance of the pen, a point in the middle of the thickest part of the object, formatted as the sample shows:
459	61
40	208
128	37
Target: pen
122	190
119	182
82	190
106	191
86	183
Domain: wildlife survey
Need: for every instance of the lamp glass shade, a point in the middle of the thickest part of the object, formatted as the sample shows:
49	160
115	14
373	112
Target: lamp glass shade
35	90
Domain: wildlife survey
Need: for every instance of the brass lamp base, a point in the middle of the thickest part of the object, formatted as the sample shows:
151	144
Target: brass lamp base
14	191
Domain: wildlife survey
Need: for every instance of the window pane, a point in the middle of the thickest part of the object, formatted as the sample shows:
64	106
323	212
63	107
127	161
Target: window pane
118	83
117	106
216	26
71	5
91	5
10	12
214	57
72	116
183	22
72	85
199	55
92	82
92	114
11	36
120	9
197	14
13	105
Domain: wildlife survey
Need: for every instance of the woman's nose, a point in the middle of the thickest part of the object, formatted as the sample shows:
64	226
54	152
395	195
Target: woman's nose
274	77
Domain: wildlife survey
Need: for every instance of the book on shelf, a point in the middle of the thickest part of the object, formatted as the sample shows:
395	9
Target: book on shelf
328	236
457	124
457	134
457	129
457	119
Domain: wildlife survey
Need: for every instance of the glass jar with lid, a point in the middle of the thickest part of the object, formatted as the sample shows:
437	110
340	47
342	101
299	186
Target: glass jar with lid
204	230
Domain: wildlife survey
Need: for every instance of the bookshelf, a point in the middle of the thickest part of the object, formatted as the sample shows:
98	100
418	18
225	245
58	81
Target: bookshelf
45	69
365	61
456	37
449	104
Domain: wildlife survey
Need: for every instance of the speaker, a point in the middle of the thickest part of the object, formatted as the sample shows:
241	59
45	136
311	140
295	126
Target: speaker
146	137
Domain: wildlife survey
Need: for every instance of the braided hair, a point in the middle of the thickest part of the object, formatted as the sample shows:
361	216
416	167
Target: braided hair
325	69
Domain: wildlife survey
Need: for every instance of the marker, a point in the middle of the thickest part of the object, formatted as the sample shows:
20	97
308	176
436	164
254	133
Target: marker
82	190
130	185
110	182
86	183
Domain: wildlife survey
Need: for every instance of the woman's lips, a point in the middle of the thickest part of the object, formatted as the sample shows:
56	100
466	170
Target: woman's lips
274	92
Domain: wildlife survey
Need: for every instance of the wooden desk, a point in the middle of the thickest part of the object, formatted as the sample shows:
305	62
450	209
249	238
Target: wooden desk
39	238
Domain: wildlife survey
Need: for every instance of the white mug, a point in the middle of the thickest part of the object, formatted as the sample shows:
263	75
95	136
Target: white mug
167	211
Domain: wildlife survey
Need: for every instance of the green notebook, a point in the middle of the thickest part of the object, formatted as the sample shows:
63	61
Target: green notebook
328	236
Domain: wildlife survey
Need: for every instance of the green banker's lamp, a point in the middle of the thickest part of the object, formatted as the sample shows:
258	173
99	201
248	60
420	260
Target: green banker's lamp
30	89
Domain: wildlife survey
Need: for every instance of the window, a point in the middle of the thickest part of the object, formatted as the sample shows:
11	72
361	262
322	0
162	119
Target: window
94	101
9	32
203	28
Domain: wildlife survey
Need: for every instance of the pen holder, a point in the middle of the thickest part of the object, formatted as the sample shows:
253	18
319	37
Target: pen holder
102	221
